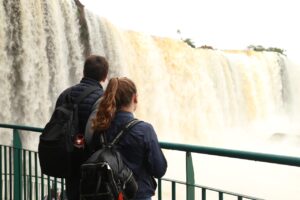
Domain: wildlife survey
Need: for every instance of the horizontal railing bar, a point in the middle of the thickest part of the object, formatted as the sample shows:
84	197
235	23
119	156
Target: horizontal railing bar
21	127
209	188
39	177
31	151
255	156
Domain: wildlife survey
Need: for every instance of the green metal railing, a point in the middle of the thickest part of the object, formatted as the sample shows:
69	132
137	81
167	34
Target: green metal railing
21	177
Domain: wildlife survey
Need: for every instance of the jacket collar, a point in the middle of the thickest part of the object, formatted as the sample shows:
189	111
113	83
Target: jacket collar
124	114
90	81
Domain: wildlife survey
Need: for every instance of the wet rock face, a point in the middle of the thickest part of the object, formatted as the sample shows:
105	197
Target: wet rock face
84	34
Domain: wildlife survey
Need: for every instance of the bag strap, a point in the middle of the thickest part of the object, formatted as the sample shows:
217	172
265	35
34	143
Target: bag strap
128	126
88	133
96	104
85	92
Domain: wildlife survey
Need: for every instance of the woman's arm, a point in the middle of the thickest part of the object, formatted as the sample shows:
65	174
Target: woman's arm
156	161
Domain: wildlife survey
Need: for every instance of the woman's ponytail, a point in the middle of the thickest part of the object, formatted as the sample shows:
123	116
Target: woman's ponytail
118	93
107	107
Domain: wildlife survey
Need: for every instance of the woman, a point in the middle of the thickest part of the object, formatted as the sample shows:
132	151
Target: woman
139	148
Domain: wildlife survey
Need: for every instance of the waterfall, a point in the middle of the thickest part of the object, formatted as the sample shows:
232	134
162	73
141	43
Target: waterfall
93	23
190	95
5	71
40	55
237	99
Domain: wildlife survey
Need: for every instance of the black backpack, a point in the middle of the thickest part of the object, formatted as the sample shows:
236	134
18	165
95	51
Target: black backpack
56	140
105	176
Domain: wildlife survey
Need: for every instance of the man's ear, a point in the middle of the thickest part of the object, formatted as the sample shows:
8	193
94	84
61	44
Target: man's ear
104	79
135	98
104	83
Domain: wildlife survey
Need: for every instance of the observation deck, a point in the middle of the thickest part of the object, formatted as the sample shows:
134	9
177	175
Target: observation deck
21	177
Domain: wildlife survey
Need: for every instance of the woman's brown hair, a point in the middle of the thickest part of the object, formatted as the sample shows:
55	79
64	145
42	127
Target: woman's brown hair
118	93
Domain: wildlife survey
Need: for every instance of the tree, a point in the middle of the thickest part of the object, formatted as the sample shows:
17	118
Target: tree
206	47
189	42
186	40
256	48
275	49
261	48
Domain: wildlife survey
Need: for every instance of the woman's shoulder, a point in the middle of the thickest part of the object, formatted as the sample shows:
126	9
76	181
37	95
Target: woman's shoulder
144	129
143	125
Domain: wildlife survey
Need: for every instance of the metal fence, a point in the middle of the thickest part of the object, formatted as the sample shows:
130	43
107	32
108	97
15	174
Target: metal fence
21	177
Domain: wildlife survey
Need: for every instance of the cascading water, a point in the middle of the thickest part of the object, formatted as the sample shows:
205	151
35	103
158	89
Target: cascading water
5	72
41	55
200	96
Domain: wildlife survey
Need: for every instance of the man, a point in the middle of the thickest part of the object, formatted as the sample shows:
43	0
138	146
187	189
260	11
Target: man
95	71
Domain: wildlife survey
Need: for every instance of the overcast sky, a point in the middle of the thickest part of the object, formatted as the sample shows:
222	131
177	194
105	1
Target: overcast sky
223	24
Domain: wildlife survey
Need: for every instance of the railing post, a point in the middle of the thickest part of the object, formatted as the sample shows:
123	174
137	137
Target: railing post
159	189
17	165
1	192
190	180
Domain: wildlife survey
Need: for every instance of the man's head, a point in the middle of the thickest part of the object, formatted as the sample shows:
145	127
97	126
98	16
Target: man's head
96	67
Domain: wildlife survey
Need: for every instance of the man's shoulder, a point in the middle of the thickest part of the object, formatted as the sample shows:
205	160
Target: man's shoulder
67	91
63	96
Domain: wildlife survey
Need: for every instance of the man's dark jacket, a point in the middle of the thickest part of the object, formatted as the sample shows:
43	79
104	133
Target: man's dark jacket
84	110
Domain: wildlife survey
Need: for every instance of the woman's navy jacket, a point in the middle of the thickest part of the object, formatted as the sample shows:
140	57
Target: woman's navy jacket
140	150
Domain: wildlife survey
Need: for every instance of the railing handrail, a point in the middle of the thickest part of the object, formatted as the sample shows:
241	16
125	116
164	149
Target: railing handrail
21	127
187	148
254	156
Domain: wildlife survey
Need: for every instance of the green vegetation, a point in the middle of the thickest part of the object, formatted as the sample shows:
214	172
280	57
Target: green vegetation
261	48
190	42
186	40
206	47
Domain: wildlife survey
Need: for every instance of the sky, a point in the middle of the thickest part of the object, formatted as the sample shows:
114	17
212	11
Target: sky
223	24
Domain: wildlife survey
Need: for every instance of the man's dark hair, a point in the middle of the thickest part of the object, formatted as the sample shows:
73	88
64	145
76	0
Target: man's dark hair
95	67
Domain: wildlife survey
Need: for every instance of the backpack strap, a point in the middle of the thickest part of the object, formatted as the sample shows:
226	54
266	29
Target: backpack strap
103	140
128	126
89	132
85	92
